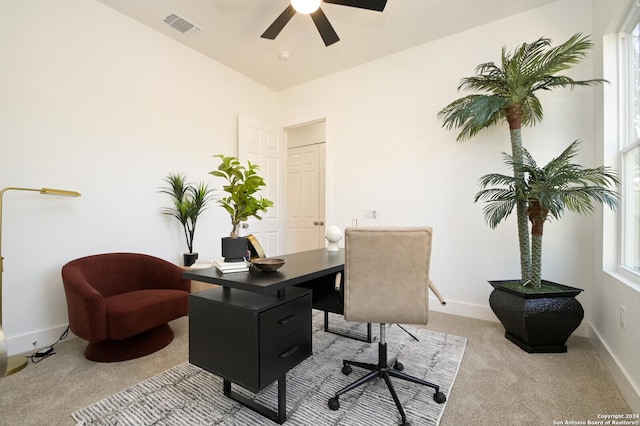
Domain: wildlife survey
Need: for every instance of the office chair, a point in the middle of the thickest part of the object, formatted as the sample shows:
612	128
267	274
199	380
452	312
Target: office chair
386	281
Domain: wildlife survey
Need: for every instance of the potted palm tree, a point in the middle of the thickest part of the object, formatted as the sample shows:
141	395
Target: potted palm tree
188	201
242	203
508	92
531	318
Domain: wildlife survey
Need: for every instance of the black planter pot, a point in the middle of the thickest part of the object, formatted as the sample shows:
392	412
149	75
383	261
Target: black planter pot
234	249
189	258
538	322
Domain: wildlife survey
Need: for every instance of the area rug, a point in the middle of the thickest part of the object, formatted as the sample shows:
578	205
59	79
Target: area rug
188	395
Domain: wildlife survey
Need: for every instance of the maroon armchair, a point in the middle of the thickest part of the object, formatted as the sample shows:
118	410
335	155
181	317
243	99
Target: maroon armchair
122	303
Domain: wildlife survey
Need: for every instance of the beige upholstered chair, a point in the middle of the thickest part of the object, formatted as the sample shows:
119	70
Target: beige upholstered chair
386	281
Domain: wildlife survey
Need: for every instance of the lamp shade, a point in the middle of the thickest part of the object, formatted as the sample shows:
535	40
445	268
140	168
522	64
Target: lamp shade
62	192
305	6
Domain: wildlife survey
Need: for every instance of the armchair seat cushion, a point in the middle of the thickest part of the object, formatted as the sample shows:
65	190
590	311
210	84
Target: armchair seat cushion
136	311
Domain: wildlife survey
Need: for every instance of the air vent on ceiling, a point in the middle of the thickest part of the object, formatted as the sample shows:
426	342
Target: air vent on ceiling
181	24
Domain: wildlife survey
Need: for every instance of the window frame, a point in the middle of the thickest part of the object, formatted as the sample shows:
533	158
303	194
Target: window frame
629	140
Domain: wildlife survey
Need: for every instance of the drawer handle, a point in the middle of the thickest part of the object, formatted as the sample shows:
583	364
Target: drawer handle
290	352
288	319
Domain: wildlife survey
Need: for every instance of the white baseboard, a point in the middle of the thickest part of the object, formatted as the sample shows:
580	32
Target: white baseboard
463	309
24	343
629	391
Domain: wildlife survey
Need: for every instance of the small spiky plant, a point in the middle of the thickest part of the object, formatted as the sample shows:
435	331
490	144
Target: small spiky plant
187	202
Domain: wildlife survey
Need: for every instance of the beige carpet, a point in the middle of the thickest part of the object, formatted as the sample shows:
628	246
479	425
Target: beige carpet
497	383
188	395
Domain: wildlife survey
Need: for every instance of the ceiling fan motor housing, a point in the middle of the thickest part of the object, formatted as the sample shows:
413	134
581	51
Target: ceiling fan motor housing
312	7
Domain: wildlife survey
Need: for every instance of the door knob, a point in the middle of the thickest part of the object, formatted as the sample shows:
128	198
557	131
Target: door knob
315	223
245	225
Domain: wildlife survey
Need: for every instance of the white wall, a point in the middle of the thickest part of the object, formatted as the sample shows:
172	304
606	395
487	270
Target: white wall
383	115
611	290
384	139
93	101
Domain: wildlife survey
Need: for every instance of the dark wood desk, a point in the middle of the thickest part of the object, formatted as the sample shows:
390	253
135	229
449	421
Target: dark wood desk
257	325
300	268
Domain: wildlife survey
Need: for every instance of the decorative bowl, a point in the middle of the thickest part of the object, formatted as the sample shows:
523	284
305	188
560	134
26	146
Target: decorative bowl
268	264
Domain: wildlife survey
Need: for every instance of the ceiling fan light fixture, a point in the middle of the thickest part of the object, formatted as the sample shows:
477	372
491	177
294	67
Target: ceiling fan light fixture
305	6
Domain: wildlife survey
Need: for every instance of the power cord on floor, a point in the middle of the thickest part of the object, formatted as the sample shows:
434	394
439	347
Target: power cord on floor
48	351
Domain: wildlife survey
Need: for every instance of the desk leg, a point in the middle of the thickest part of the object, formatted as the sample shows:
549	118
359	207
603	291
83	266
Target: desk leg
282	398
278	417
355	336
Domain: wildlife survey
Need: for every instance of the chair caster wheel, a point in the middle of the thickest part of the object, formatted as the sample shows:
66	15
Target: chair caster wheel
346	370
398	366
439	397
333	403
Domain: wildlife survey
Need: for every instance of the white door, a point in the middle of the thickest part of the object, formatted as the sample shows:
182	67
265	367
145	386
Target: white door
305	195
262	144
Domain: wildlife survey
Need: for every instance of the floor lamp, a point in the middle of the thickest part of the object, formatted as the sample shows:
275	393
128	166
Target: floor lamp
13	364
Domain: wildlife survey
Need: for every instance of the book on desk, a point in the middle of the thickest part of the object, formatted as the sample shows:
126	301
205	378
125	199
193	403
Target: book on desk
230	267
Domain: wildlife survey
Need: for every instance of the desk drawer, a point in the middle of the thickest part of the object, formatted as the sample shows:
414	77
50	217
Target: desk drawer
280	357
279	322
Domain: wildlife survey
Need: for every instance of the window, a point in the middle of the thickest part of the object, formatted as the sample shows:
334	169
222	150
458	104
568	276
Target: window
630	143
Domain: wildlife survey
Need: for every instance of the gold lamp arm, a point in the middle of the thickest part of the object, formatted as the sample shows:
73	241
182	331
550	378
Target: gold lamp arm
14	364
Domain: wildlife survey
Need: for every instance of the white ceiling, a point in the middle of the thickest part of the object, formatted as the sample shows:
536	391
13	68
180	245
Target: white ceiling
230	31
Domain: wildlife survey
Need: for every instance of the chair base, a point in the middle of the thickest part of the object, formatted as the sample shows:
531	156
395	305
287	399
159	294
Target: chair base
134	347
384	371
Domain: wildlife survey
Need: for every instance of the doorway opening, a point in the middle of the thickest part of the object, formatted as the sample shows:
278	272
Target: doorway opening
306	175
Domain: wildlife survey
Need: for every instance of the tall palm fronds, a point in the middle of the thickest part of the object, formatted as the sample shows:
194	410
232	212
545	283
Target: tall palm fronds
188	201
508	92
548	191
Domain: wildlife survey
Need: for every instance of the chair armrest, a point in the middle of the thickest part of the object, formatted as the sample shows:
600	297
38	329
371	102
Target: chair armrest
338	283
435	291
85	306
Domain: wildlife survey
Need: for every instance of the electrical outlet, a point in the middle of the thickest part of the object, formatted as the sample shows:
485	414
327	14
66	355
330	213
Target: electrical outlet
370	214
623	319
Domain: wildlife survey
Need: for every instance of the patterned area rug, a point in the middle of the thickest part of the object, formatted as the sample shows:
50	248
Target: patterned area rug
188	395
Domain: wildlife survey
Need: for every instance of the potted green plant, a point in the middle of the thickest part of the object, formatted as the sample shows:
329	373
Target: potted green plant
242	203
188	201
531	317
509	93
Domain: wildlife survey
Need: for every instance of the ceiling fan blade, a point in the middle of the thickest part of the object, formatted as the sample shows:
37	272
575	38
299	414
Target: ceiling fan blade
328	34
377	5
274	29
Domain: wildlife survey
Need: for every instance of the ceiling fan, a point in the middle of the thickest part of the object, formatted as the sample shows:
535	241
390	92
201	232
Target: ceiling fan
312	7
